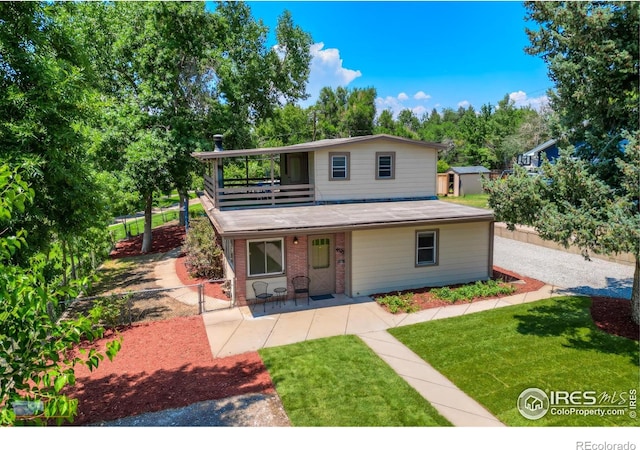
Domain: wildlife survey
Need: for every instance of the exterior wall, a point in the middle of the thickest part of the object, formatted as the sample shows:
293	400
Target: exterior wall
470	184
383	260
295	260
340	261
415	173
240	259
296	257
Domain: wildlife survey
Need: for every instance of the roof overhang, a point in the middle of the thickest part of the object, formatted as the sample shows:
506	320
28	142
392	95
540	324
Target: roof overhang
312	146
251	223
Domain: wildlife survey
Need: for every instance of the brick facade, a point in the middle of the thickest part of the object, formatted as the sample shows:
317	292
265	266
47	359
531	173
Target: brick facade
341	262
296	263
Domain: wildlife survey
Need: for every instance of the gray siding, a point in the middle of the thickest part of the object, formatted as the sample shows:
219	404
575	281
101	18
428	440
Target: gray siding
384	260
415	173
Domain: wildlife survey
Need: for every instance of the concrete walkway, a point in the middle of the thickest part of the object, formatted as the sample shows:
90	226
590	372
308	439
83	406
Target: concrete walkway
232	331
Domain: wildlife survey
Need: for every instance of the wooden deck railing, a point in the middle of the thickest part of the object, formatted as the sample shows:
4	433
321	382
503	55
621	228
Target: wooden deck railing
259	195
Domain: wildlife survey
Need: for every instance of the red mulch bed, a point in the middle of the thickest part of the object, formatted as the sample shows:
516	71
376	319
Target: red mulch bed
425	300
211	289
613	315
164	238
164	364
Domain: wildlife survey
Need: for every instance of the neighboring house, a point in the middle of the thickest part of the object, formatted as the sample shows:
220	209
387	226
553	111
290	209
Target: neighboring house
357	215
532	160
460	181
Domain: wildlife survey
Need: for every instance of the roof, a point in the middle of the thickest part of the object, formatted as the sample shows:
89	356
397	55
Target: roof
313	145
469	170
545	145
246	223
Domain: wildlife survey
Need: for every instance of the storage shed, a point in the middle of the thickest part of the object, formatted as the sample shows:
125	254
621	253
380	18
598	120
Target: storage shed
464	180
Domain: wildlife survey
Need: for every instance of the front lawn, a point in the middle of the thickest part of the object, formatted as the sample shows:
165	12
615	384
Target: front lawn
475	200
551	344
341	382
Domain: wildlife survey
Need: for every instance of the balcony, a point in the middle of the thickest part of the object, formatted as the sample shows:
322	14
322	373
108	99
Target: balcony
257	193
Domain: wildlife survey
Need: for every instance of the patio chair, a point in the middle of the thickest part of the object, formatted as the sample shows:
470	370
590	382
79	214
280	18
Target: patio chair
260	291
300	286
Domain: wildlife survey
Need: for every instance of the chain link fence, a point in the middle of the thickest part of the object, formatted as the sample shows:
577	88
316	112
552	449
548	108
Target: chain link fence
146	305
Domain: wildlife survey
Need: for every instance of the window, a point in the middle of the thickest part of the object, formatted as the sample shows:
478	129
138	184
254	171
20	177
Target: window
228	246
265	257
426	248
339	166
320	253
385	166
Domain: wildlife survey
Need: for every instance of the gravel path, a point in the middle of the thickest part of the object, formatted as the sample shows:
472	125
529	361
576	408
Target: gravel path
566	270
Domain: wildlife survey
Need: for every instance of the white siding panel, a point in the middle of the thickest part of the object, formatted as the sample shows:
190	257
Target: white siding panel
384	260
415	173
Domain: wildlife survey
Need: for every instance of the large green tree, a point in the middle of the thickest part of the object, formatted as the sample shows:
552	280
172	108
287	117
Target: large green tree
175	74
46	101
589	197
591	50
35	364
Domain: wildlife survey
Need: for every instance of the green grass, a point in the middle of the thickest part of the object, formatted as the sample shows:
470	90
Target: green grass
475	200
341	382
550	344
166	201
136	226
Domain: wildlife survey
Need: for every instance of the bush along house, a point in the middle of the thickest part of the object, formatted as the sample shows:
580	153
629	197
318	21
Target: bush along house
357	216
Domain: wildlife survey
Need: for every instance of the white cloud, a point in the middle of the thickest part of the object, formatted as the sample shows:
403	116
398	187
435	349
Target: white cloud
419	111
403	101
326	69
464	104
520	99
390	103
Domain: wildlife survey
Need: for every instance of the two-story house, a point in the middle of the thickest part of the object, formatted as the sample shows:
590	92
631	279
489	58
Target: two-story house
356	215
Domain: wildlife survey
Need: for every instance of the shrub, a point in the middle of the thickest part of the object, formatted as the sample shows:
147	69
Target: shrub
399	302
112	311
203	254
468	292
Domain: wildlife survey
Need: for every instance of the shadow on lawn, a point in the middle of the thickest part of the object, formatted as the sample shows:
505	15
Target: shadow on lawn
569	317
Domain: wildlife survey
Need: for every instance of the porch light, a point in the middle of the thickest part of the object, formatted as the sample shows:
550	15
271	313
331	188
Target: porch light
295	240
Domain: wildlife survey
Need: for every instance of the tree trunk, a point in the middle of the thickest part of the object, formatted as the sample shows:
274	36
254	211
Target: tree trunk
184	196
74	274
63	244
147	238
635	293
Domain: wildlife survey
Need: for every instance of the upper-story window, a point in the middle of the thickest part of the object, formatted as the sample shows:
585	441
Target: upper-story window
339	166
385	166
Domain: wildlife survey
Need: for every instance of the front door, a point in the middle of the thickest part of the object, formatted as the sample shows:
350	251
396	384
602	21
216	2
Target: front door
321	265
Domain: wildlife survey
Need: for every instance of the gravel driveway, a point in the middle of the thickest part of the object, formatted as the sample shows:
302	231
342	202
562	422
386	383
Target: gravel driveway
568	271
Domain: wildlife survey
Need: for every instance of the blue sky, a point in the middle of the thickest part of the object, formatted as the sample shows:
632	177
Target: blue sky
419	55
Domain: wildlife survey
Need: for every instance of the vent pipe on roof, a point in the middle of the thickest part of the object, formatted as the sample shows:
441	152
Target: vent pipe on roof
217	140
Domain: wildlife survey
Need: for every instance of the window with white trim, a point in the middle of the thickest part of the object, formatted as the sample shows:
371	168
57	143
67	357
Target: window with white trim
426	248
385	166
266	257
339	166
